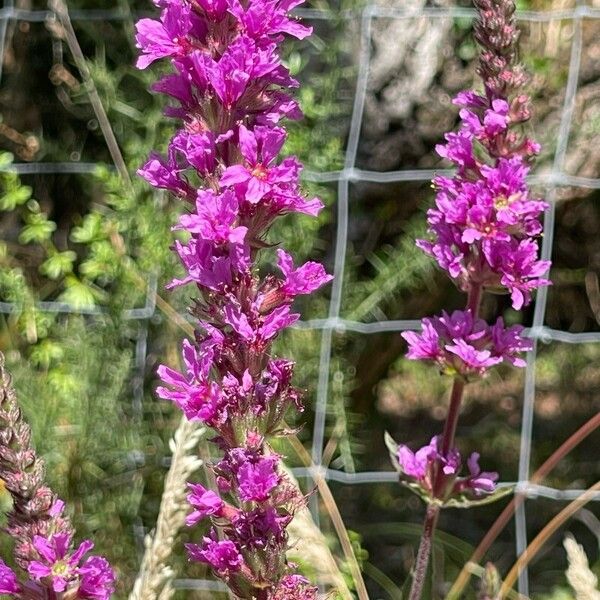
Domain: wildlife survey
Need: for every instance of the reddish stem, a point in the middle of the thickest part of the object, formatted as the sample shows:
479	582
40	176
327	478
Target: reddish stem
433	510
420	569
452	417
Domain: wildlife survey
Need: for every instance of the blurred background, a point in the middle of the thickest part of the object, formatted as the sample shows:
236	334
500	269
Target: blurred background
84	252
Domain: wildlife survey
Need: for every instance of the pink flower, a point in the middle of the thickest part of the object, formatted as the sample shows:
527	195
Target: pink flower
480	481
223	556
269	18
165	38
164	174
421	467
199	398
216	218
294	587
303	280
205	503
256	480
459	344
260	176
97	579
255	329
57	563
9	584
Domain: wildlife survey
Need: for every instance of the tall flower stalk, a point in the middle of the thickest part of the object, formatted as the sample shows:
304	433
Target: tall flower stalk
230	92
484	234
49	565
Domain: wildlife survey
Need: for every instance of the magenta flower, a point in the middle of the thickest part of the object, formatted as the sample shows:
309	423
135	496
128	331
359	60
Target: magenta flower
205	502
215	218
243	67
198	149
257	480
480	481
209	266
295	587
426	464
164	174
9	584
97	579
418	465
199	398
223	556
214	9
259	176
303	280
259	528
268	18
521	271
461	345
263	328
165	38
56	562
494	122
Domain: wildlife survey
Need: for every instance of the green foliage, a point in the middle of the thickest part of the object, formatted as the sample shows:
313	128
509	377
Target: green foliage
13	194
75	393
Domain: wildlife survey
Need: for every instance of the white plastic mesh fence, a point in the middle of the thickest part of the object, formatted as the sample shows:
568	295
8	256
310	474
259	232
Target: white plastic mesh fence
552	181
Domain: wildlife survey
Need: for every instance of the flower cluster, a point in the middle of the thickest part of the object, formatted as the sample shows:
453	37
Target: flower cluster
485	230
461	345
422	467
486	223
230	92
42	534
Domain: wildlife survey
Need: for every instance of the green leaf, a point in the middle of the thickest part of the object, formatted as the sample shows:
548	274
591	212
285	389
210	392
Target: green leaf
467	502
38	229
392	447
102	261
90	230
45	353
455	548
58	264
79	294
17	195
6	159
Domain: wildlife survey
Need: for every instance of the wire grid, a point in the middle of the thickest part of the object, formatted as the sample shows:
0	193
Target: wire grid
538	332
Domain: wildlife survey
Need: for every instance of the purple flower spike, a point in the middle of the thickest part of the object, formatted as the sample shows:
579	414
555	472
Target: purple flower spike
230	92
485	222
